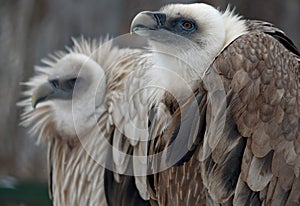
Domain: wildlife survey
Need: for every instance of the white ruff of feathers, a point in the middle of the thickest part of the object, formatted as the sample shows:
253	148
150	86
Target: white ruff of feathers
75	177
195	54
234	26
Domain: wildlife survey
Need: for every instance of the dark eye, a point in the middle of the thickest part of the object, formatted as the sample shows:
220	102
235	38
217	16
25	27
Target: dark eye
70	83
187	25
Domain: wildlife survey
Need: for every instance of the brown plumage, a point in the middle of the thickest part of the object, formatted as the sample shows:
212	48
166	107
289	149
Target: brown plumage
263	102
250	153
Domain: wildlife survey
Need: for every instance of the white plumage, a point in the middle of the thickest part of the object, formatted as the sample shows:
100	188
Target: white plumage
185	57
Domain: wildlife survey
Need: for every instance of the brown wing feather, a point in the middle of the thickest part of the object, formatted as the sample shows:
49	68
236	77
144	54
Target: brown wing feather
180	184
261	80
270	29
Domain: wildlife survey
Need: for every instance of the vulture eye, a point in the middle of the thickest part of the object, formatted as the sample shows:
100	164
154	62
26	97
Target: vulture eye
70	83
187	25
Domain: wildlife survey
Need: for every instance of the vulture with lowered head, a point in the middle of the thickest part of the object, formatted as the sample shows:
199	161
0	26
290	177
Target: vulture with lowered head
70	103
238	141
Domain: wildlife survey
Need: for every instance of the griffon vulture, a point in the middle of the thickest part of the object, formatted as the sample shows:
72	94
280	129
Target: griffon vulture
71	104
237	141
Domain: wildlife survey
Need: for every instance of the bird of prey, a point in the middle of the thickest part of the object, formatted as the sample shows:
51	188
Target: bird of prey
236	141
71	104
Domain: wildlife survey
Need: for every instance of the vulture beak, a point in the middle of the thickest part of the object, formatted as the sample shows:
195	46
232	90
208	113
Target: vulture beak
41	94
147	20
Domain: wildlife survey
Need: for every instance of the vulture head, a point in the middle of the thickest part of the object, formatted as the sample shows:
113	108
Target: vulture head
187	37
67	96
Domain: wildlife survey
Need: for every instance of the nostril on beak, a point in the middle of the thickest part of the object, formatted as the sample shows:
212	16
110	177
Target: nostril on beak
159	17
148	20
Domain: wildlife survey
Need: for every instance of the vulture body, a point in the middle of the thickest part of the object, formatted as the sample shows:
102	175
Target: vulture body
241	131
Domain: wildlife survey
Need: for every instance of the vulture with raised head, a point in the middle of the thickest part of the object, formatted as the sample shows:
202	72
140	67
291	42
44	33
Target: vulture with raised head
241	133
209	114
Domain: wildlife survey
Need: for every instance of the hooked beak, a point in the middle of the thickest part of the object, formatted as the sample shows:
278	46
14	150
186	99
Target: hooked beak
147	20
41	94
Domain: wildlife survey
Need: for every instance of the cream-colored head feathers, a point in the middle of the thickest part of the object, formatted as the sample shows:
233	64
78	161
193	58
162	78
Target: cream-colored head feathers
70	90
67	92
189	51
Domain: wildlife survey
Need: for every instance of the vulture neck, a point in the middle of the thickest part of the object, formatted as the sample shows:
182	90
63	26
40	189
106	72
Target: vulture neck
75	177
173	76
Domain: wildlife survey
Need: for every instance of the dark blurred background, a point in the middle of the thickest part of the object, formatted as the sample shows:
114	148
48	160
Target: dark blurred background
31	29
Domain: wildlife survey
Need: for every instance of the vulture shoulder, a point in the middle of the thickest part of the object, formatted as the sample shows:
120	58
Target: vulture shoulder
251	149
